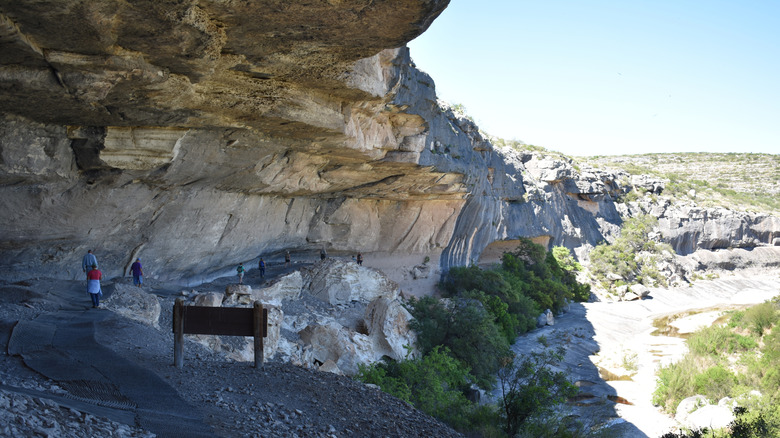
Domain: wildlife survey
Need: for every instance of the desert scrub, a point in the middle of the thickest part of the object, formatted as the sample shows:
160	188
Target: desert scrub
761	317
734	360
632	256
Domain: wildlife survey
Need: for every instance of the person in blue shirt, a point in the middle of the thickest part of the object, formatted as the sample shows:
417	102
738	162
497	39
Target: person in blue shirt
88	262
261	266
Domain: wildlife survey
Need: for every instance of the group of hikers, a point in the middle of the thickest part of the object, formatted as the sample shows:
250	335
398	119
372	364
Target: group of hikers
240	270
89	265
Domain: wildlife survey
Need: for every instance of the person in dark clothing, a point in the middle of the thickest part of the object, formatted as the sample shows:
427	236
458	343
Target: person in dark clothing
138	273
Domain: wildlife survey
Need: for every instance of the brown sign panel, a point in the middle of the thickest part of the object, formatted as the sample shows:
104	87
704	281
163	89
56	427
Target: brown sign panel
227	321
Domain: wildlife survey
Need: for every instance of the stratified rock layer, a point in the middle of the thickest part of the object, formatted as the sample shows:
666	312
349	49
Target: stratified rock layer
202	134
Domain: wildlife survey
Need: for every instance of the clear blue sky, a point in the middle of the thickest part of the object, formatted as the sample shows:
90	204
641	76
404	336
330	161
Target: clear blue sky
612	77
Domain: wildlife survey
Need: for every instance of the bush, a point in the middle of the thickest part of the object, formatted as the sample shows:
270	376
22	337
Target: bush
434	383
677	382
761	317
714	383
466	329
718	340
530	390
705	370
622	256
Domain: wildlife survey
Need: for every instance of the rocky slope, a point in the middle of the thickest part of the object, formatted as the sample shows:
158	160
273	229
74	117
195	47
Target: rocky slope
232	398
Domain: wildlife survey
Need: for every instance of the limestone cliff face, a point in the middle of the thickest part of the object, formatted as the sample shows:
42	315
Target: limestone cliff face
197	135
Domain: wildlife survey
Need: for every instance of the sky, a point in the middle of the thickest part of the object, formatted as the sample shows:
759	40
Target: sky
593	77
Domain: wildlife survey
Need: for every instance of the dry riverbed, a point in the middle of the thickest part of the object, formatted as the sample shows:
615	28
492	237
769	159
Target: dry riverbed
613	350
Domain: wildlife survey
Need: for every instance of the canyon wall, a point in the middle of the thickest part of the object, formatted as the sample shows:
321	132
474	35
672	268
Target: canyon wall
196	135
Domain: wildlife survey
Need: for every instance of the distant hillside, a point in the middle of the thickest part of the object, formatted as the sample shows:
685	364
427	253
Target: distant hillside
749	182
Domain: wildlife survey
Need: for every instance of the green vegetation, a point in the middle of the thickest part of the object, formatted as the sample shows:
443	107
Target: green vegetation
433	383
739	181
633	256
530	390
747	424
731	361
464	339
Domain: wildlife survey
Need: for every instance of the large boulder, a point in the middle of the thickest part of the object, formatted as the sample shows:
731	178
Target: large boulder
546	318
688	405
208	299
334	342
238	294
287	287
387	323
338	282
132	302
710	416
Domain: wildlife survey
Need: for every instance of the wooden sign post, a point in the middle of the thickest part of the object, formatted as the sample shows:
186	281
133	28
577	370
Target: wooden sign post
224	321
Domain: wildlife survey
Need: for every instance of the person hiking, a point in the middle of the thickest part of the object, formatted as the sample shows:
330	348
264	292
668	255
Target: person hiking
360	259
138	273
88	261
287	258
240	270
323	254
261	267
93	285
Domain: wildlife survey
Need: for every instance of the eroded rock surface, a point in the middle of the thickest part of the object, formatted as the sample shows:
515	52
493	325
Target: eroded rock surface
203	134
341	316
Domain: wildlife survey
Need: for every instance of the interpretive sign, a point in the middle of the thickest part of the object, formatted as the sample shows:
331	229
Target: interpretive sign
224	321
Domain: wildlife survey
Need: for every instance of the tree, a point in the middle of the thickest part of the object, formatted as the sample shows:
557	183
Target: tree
530	390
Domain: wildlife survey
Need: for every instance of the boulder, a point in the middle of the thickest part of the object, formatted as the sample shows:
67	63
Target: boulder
132	302
238	294
546	318
630	296
338	282
421	271
209	299
640	290
334	342
330	367
387	323
287	287
711	417
689	405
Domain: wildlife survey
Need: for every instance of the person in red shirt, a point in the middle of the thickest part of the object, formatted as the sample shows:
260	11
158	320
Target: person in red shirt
93	285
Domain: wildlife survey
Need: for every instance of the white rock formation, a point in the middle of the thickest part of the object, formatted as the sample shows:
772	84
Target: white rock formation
332	341
134	303
287	287
339	282
387	322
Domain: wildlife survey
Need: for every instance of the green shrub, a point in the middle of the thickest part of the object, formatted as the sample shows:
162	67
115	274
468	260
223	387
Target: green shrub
736	319
715	382
718	340
530	390
676	382
434	383
621	257
761	317
466	329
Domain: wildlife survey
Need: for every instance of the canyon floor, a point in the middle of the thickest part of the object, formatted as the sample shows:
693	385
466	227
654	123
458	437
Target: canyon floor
99	363
613	349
